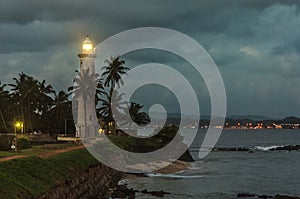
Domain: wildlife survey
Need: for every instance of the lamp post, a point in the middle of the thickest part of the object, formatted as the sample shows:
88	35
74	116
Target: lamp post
20	126
65	127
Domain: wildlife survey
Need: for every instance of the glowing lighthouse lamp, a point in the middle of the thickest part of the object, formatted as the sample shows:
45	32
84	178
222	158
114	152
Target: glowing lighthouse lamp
87	46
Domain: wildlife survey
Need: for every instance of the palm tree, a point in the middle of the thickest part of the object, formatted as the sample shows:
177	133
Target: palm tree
26	93
32	97
61	110
138	117
116	106
85	84
4	98
45	101
113	72
61	104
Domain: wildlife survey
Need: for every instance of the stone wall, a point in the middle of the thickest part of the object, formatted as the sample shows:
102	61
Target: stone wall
94	183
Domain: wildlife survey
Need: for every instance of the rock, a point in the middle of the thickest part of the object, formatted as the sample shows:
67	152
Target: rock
187	157
265	196
285	197
278	196
280	148
97	182
121	191
159	194
287	148
245	195
231	149
145	191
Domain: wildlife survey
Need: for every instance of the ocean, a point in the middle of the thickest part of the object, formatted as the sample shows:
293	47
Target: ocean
224	174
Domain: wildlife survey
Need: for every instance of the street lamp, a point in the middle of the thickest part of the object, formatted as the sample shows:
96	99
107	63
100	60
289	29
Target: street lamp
18	125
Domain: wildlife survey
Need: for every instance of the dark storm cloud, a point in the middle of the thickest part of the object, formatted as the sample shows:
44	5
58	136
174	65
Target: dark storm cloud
20	11
254	43
36	25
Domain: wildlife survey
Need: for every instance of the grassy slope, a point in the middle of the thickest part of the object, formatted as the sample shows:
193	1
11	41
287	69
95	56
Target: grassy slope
133	144
35	150
32	176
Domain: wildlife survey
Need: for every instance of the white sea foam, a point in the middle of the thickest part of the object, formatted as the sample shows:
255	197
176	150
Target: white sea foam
172	175
196	165
266	148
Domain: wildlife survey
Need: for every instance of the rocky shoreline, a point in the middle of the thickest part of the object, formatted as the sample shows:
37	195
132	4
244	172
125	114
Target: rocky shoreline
101	182
245	149
278	196
94	183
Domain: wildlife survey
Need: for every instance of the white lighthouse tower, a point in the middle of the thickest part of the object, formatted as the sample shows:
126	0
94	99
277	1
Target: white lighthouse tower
86	105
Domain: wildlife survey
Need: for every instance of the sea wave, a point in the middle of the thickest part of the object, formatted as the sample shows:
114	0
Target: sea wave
267	148
172	175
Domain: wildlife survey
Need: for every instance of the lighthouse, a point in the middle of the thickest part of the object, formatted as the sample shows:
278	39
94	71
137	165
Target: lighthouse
86	115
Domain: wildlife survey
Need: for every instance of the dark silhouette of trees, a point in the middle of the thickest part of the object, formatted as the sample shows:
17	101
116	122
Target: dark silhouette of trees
60	111
4	103
113	76
26	93
84	87
138	117
40	108
34	103
113	104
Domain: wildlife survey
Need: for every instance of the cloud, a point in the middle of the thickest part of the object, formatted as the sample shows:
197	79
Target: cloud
255	44
249	51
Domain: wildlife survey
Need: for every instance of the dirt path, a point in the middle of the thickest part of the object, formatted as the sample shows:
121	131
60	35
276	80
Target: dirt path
55	152
43	155
12	158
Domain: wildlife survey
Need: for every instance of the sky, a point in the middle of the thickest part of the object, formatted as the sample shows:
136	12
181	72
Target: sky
254	43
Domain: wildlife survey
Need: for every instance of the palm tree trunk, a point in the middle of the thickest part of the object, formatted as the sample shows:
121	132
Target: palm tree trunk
3	121
109	117
84	104
23	117
29	116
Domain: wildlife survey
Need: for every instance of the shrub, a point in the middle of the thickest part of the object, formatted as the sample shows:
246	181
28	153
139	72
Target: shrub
23	143
5	142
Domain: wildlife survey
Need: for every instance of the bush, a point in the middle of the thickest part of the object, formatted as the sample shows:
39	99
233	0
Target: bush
23	143
5	142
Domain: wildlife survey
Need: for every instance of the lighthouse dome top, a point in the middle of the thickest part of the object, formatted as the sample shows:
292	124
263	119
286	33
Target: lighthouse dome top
87	45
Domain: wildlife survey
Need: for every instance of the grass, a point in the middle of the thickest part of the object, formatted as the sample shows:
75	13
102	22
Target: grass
35	150
30	177
144	145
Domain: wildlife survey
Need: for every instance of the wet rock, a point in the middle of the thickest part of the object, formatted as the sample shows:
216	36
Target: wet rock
122	191
279	148
265	197
187	157
230	149
278	196
245	195
155	193
285	197
287	148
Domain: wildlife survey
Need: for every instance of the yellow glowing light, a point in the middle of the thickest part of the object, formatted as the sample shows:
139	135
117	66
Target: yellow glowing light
101	130
19	124
87	45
